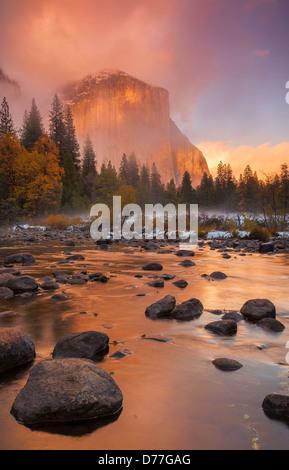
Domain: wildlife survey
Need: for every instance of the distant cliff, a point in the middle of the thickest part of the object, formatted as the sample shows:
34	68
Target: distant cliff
123	115
8	87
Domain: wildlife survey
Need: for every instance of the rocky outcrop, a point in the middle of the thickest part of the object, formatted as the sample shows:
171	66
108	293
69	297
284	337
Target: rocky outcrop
125	115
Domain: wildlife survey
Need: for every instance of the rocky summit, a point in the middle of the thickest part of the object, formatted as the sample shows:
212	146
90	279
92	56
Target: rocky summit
125	115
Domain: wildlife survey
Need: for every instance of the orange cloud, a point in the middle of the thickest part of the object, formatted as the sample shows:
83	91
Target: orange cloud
264	159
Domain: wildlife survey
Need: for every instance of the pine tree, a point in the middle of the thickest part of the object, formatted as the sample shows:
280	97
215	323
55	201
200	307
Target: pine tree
144	189
157	190
171	194
284	192
206	191
72	146
6	121
133	171
187	193
57	127
123	174
32	128
89	172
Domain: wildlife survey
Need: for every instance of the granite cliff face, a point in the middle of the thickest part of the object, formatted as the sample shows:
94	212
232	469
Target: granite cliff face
9	88
123	115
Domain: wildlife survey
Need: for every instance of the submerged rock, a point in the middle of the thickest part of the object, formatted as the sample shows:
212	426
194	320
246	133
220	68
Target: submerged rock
153	267
271	324
67	390
185	253
81	345
20	258
228	365
22	284
235	316
257	309
157	283
162	308
49	285
16	348
224	327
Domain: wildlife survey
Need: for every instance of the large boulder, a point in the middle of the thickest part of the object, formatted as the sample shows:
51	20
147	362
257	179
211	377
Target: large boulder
189	310
271	324
81	345
218	276
223	327
66	390
257	309
277	404
22	284
4	278
152	267
20	258
227	365
266	247
16	348
5	293
162	308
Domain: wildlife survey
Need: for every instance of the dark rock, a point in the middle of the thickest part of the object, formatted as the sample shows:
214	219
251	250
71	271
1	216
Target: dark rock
22	284
5	293
16	348
167	277
49	285
30	239
189	310
235	316
224	327
226	256
153	267
4	278
181	284
272	325
216	312
81	345
139	276
76	282
70	243
266	247
75	258
59	297
277	404
158	283
22	258
185	253
13	271
162	308
187	263
227	364
121	354
219	276
66	390
257	309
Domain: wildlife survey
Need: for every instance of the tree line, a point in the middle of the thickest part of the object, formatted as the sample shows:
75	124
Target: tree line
42	172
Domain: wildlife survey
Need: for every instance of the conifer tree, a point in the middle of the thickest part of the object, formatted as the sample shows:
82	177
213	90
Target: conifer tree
57	127
133	171
32	128
123	174
157	190
89	172
187	193
6	121
72	146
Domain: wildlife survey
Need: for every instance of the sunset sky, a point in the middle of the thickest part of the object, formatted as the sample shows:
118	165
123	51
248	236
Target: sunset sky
224	62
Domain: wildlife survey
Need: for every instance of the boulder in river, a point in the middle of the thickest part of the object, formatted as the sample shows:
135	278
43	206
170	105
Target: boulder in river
67	390
223	327
49	285
162	308
277	404
81	345
227	365
20	258
16	348
189	310
271	324
4	278
218	276
235	316
153	267
185	253
257	309
181	284
158	283
5	293
266	247
187	263
22	284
